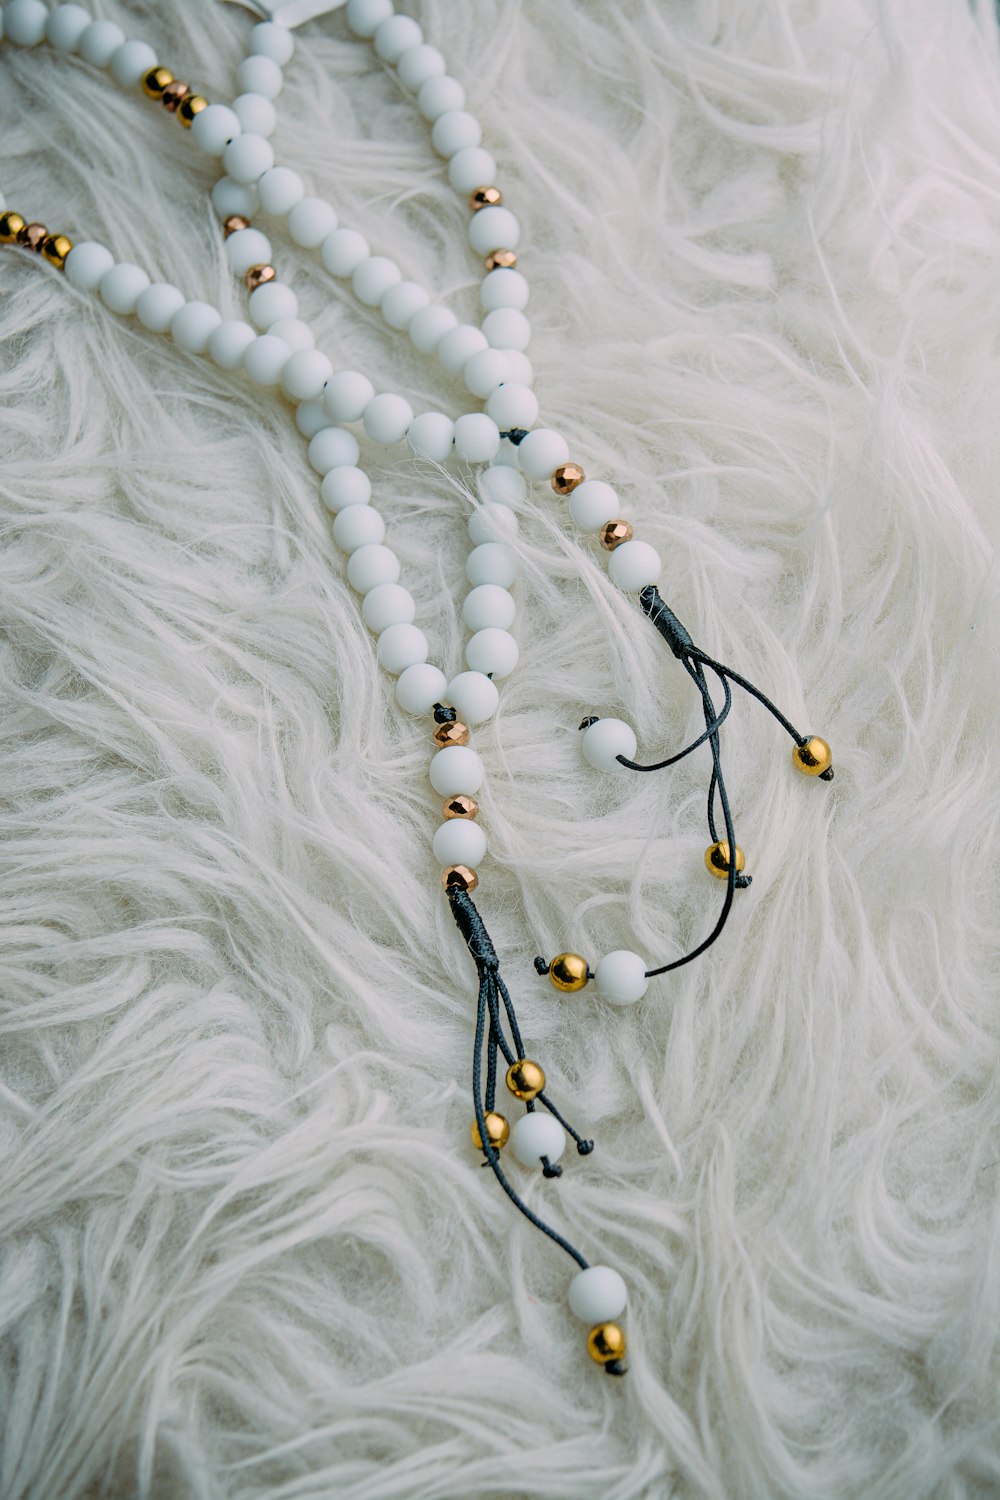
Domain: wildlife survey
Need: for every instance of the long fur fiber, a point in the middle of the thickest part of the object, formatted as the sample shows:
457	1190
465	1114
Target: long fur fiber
248	1250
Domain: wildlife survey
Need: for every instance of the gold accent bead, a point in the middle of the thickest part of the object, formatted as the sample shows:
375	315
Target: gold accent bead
156	81
613	533
173	93
501	260
497	1131
484	197
33	236
606	1342
11	225
233	225
459	807
455	733
814	758
525	1079
56	249
566	478
189	107
568	971
459	878
258	275
717	859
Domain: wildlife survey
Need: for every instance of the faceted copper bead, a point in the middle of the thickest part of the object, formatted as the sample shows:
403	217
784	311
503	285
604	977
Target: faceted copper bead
172	94
484	197
614	533
257	275
56	249
156	81
190	106
11	225
233	223
566	478
606	1342
459	807
33	236
501	260
455	733
459	878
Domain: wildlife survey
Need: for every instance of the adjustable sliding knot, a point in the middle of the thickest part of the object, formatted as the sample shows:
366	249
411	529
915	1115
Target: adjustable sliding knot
666	622
470	925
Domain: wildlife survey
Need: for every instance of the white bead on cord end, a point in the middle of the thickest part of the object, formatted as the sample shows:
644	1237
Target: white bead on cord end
604	740
536	1136
620	977
597	1295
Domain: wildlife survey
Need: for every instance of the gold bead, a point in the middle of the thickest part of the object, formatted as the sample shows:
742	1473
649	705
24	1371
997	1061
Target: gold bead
459	878
484	197
525	1079
459	807
606	1342
813	758
156	81
501	260
33	236
568	971
566	478
455	733
172	94
717	859
258	275
189	107
233	224
56	249
497	1131
11	225
614	533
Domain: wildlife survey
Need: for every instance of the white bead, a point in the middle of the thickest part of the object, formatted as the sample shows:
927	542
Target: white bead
157	304
519	366
395	36
99	42
360	526
459	841
402	302
488	607
492	651
471	168
131	62
346	396
310	418
604	740
456	771
246	248
493	229
343	250
296	334
536	1135
268	39
401	646
265	359
541	452
387	417
86	263
417	64
257	115
192	326
214	128
597	1295
375	275
492	523
504	287
429	327
344	487
279	189
491	562
334	448
64	27
419	688
431	436
634	566
388	603
364	17
248	157
440	96
259	75
474	696
122	286
305	374
24	22
310	222
456	347
370	566
477	438
621	977
593	503
228	343
506	328
502	484
484	371
512	406
271	302
454	131
229	197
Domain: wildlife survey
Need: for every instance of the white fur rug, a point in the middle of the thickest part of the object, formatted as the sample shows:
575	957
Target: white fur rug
248	1249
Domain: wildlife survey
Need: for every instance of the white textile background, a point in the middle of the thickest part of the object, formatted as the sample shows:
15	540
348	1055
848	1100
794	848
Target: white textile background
247	1249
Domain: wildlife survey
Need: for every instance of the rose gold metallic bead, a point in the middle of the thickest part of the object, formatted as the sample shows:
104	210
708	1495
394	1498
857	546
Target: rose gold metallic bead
459	807
11	225
56	249
33	236
189	107
459	878
156	81
233	223
501	260
566	478
614	533
455	733
484	197
257	275
173	93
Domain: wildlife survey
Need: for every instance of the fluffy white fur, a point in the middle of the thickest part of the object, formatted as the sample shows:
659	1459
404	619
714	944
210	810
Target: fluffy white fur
248	1249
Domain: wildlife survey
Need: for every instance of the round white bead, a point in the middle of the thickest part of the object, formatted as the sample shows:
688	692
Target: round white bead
456	771
603	741
64	27
401	303
401	646
375	275
370	566
229	197
458	345
310	418
345	487
246	158
265	359
279	189
477	438
493	229
537	1135
395	36
388	603
502	484
431	436
474	696
455	131
310	221
492	523
459	841
99	42
122	286
387	417
257	115
343	250
440	96
417	64
504	287
259	75
333	448
131	62
296	334
419	688
519	365
86	264
305	374
488	607
593	503
214	128
24	22
484	371
621	977
471	168
346	396
268	39
271	302
491	562
512	406
597	1295
192	326
541	452
157	305
634	566
493	652
246	248
364	17
362	527
228	343
506	328
429	327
